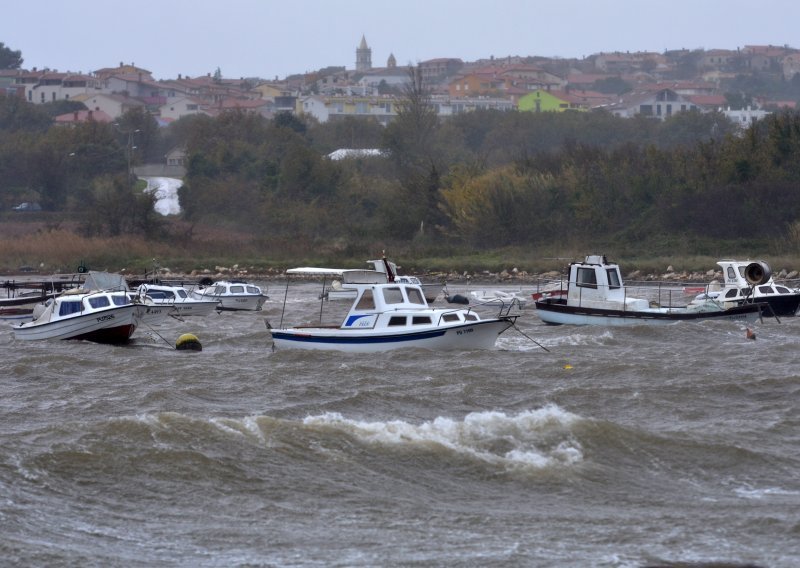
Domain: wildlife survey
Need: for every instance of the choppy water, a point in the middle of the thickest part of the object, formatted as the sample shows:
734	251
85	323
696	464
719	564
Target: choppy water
618	447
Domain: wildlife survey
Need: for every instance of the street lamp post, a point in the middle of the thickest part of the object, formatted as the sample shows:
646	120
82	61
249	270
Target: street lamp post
129	147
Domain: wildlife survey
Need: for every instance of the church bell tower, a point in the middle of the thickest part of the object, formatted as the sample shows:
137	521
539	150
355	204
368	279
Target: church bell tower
363	56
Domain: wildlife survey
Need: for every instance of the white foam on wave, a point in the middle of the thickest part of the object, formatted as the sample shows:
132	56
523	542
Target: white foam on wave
766	492
533	438
583	339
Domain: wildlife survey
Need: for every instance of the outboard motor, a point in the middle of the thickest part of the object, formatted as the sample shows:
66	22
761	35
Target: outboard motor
457	299
757	273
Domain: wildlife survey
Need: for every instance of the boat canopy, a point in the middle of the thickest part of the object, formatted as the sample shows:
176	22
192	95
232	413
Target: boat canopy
104	281
348	276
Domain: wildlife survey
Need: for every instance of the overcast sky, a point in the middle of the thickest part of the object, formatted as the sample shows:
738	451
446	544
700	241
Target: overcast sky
266	38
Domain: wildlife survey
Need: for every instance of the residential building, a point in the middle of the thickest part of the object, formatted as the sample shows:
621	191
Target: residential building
113	105
434	70
660	104
184	106
743	118
543	100
324	109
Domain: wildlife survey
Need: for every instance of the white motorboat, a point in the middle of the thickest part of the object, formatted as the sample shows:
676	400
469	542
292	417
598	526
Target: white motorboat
337	292
387	315
178	299
232	295
751	281
497	298
595	295
102	316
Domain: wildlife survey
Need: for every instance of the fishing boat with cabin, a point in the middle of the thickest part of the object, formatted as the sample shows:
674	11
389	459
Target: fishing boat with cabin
595	295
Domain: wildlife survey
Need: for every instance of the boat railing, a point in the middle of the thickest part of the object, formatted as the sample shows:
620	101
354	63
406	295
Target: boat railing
664	294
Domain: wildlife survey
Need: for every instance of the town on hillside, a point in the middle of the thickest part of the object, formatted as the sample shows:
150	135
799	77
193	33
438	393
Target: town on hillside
656	85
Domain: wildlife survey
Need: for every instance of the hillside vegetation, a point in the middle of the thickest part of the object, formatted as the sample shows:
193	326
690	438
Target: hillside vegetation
488	190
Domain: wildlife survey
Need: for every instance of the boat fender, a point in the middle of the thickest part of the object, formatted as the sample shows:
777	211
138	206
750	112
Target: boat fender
457	299
757	273
188	342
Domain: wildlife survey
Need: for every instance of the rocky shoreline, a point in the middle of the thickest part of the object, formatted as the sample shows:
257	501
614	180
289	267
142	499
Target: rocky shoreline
505	277
513	276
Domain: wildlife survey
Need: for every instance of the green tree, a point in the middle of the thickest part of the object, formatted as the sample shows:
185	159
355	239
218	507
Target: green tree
10	59
411	140
16	114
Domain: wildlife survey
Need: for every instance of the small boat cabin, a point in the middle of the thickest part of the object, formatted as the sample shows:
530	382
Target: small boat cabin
597	283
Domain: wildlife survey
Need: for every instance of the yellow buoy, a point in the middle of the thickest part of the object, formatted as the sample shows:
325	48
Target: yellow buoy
188	342
567	366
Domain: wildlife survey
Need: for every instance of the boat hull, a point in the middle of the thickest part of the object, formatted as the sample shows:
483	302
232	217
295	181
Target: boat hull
241	303
198	308
110	326
246	302
783	305
557	312
475	335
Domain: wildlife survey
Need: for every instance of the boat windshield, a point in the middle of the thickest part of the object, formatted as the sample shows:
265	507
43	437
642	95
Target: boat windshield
392	296
415	296
236	289
120	299
586	277
366	301
159	294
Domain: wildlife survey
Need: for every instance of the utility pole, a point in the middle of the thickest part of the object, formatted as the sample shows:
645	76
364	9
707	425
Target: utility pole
129	148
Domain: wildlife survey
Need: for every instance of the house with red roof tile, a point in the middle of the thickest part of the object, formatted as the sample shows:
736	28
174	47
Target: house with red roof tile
708	102
113	105
80	116
49	86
